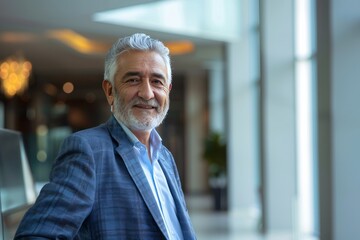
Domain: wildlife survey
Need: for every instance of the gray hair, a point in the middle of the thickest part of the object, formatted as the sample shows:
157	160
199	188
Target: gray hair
137	41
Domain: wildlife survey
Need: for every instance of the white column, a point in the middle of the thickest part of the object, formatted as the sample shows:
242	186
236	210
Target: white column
242	132
279	115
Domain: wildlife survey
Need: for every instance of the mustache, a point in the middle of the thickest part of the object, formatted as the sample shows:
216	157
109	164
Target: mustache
152	102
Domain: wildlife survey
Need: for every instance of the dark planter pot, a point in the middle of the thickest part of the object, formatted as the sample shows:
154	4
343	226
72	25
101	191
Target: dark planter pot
219	192
219	198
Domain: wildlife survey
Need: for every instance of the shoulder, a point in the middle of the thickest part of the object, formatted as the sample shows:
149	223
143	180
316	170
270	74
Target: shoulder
95	138
98	131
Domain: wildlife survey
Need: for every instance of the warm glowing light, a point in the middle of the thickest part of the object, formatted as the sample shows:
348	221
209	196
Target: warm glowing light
17	37
68	87
180	47
50	89
78	42
14	74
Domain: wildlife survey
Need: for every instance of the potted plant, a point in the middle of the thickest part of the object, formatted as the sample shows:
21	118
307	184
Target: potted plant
215	155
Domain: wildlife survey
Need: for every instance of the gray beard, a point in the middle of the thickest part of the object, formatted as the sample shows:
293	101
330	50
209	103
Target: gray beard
146	122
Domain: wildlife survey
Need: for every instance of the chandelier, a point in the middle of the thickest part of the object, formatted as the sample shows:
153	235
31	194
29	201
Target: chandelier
14	74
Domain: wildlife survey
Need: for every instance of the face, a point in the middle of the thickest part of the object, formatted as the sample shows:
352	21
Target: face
140	95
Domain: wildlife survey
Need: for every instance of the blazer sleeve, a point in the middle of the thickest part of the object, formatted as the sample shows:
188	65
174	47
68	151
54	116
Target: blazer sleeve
66	201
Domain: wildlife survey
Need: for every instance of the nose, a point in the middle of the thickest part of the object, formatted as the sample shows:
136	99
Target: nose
145	90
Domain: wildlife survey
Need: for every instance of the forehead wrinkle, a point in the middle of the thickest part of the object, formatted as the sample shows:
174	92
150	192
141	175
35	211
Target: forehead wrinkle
141	74
142	66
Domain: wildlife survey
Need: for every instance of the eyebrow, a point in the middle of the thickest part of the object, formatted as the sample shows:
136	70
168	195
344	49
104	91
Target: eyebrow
131	74
136	73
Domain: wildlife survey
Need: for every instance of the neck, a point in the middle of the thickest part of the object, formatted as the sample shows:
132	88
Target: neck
143	136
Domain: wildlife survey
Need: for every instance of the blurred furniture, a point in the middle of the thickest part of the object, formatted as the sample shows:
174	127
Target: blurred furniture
17	188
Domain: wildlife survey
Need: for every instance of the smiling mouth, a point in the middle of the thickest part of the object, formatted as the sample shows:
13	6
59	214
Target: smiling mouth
146	107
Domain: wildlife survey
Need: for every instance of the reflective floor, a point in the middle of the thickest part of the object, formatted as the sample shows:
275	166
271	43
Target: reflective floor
215	226
218	225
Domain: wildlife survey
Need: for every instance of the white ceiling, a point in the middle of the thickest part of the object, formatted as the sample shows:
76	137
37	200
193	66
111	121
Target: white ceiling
26	23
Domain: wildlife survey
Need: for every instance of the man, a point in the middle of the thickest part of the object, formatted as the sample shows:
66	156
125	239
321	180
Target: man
117	181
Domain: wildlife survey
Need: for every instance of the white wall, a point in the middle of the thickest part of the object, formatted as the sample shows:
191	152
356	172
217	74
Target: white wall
242	135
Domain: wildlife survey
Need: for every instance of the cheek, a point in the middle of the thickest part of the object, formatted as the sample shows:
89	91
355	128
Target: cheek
127	94
162	98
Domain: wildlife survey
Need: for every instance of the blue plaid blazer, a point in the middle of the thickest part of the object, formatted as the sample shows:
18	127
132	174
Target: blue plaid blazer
97	190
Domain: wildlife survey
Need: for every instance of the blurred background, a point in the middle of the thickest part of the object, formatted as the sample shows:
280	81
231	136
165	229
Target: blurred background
263	122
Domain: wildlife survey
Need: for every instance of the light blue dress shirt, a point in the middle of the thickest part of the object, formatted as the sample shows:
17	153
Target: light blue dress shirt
157	181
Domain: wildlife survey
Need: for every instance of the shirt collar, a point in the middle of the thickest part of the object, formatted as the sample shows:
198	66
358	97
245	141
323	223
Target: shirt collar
155	139
155	144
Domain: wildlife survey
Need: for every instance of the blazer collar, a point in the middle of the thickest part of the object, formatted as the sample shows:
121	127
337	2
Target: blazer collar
117	132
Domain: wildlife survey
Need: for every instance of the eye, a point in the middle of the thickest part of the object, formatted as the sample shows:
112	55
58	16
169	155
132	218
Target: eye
132	80
158	82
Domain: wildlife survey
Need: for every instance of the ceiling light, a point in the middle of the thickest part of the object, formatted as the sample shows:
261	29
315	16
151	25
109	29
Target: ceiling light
14	75
180	47
17	37
78	42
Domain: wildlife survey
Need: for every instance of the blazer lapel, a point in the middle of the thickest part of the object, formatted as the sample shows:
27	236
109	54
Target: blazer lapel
179	200
126	151
143	186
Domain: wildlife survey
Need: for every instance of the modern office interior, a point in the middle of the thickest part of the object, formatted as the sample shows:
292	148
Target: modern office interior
273	85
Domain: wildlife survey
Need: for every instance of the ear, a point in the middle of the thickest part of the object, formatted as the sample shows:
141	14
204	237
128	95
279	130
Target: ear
170	87
108	90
